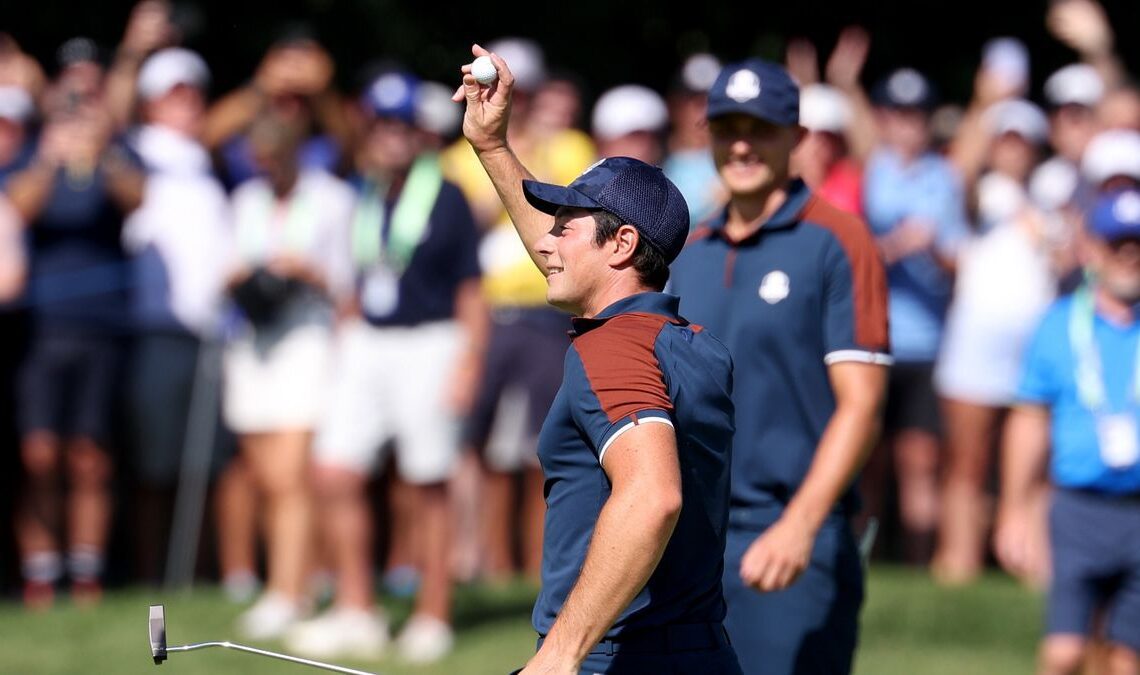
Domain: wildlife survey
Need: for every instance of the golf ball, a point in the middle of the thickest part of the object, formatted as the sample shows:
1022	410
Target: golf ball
484	70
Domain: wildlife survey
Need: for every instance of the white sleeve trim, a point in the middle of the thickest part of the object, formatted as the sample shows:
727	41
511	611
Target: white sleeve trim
877	358
627	427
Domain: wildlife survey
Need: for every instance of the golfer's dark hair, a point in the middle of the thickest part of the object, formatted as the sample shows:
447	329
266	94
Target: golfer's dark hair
649	263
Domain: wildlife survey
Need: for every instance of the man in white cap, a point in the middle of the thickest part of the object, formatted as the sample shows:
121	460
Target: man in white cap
629	121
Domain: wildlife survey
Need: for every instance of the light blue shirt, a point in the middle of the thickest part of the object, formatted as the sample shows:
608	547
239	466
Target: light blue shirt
694	174
927	189
1048	378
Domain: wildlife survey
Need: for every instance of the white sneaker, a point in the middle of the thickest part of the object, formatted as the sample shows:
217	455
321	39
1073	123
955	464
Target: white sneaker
425	639
241	587
269	617
340	632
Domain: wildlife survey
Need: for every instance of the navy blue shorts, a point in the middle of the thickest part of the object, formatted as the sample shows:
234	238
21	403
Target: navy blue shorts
1095	545
911	401
693	648
69	385
809	628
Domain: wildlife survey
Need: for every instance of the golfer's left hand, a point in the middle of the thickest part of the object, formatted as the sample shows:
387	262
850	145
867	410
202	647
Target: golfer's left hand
778	557
540	665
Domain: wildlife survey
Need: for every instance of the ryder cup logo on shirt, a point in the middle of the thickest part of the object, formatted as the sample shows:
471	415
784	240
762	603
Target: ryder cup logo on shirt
744	85
775	287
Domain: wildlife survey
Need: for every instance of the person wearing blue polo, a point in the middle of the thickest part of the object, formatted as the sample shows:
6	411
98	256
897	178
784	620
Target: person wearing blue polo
797	291
636	447
1078	414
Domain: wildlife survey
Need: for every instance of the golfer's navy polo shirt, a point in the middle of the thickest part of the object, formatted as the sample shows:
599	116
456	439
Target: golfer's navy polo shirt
638	362
804	291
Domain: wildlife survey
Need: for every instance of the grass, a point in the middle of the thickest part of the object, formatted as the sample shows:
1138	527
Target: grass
909	627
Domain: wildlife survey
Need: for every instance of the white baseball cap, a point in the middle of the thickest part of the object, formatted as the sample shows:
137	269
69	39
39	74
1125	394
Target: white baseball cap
168	68
1077	83
626	109
1020	117
16	104
525	59
1111	153
824	108
435	111
699	72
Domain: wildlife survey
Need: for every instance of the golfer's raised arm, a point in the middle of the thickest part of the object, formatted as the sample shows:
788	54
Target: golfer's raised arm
485	126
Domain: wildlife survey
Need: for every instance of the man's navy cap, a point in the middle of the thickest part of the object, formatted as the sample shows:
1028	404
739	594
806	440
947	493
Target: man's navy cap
756	88
1116	216
630	189
905	88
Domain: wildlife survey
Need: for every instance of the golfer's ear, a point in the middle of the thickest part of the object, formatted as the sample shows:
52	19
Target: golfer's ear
625	243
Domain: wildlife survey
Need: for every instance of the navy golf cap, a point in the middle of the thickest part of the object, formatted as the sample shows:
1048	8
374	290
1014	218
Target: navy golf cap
756	88
630	189
1116	216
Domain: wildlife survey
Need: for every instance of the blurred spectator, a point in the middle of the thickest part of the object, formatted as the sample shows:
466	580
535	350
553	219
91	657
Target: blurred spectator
838	119
1072	94
408	361
294	81
148	29
557	105
1120	109
437	116
913	202
821	158
1112	160
292	265
629	121
1076	420
73	193
1083	26
688	161
528	337
16	144
18	69
177	240
1006	276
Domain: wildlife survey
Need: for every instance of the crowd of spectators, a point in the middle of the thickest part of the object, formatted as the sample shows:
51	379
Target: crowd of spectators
271	285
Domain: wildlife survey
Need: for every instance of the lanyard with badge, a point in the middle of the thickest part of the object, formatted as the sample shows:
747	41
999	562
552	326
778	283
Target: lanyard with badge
296	222
381	249
1117	433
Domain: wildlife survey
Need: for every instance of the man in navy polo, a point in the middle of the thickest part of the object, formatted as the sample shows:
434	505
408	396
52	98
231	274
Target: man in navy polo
636	446
796	290
1078	412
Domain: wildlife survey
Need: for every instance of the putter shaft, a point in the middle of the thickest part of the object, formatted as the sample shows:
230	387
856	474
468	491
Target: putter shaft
265	652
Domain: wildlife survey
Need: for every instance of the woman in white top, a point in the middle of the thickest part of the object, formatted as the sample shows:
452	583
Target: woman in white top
292	266
1006	278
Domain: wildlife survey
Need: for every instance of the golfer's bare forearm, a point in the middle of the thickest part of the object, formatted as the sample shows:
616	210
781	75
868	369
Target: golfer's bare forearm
846	442
629	540
507	174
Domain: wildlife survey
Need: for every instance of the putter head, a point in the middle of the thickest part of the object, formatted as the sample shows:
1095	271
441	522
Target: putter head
157	634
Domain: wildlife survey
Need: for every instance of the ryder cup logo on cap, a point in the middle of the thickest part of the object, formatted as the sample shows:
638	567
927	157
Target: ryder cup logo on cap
756	88
635	192
1117	216
744	85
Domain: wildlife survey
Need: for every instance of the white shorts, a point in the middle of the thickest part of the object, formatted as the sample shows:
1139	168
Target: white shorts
391	383
277	382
